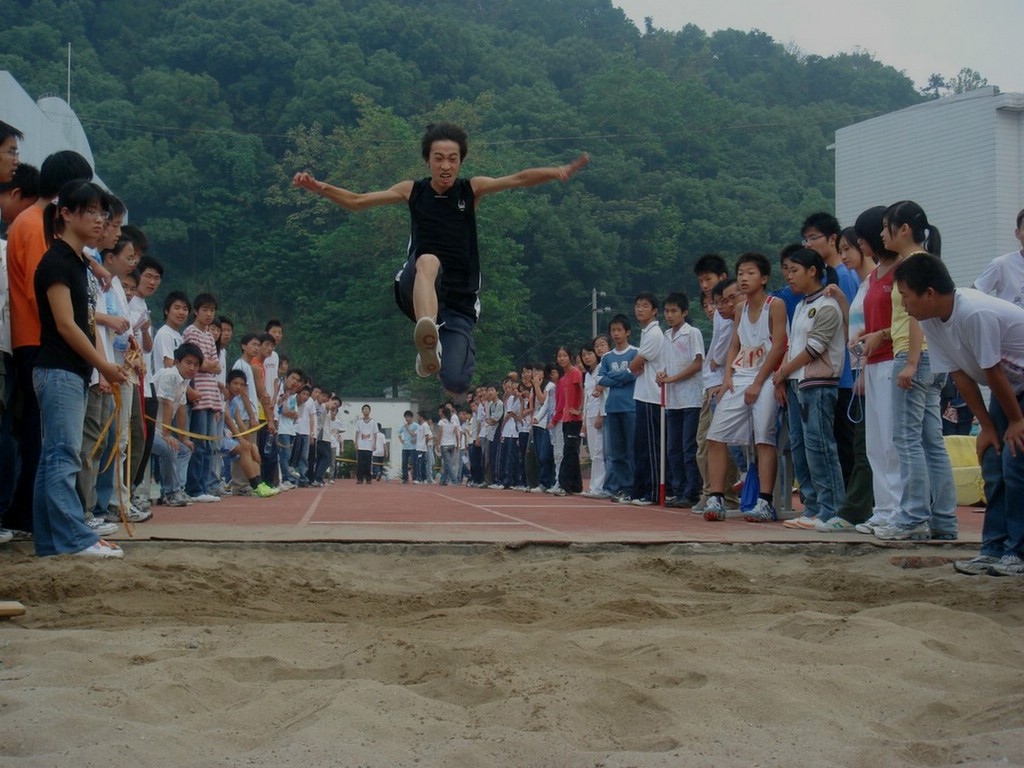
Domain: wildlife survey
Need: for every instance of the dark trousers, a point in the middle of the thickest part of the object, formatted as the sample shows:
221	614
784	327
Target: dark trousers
844	434
364	466
569	478
684	480
545	457
860	495
323	460
647	451
408	464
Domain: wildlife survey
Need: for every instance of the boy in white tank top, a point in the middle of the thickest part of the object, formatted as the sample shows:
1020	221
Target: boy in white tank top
746	400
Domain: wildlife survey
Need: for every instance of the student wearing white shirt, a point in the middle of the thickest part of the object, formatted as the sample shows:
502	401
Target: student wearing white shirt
979	339
1004	277
594	413
681	375
173	452
407	437
543	408
303	429
647	397
150	272
448	423
422	444
366	441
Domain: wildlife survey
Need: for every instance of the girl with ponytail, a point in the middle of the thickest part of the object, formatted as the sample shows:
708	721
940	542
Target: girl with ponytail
67	356
927	507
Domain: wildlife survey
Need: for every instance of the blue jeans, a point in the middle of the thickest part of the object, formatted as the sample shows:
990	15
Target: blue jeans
449	465
173	464
929	493
300	458
509	461
618	431
408	464
681	452
801	469
57	515
421	466
545	457
1003	473
285	444
825	491
202	422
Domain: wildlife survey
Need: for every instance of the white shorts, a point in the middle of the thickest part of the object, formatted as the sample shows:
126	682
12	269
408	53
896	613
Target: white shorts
730	423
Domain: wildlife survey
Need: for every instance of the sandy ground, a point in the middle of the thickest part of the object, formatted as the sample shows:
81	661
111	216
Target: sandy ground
333	655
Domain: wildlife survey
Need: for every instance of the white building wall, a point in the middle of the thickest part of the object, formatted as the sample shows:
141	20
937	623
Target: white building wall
958	157
49	125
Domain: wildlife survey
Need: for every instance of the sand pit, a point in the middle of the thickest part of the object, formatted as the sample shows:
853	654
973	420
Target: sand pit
324	655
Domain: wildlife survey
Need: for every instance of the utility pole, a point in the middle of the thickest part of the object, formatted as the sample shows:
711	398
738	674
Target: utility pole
594	310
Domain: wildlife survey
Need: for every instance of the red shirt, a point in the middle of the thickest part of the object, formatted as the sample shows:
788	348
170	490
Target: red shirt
569	396
878	312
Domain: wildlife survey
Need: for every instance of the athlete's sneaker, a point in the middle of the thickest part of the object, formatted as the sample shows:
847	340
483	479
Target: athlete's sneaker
835	524
141	501
538	489
101	526
101	548
556	491
137	515
763	512
177	499
714	509
920	532
625	499
975	565
287	486
204	498
264	491
1008	565
803	523
869	525
428	347
944	535
5	535
642	502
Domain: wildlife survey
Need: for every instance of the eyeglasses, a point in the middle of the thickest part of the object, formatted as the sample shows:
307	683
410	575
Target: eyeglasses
812	239
725	300
13	152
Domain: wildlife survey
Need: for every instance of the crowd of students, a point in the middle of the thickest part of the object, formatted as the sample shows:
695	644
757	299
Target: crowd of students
835	368
90	392
848	362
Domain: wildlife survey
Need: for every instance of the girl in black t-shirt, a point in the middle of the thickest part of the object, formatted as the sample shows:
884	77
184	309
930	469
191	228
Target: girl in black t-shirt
67	356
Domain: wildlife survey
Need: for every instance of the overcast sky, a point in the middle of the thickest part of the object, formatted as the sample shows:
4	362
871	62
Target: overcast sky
917	36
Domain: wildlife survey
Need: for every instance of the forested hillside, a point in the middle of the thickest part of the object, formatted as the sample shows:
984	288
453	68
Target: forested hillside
200	111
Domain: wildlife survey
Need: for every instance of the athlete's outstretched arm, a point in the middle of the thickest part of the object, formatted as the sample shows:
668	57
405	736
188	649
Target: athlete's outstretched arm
531	177
353	201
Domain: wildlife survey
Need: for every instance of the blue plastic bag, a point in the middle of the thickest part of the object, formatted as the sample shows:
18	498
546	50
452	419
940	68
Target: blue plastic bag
752	482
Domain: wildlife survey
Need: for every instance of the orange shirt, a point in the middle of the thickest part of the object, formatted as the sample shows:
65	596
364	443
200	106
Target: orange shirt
26	244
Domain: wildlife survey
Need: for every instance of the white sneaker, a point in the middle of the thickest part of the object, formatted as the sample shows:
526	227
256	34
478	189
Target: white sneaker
428	347
101	526
136	515
101	549
803	523
872	523
204	498
714	509
5	535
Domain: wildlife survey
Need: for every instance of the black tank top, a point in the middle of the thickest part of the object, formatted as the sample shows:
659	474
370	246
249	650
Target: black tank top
445	225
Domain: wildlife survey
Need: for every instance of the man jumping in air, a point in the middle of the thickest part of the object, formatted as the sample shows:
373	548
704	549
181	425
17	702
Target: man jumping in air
438	288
